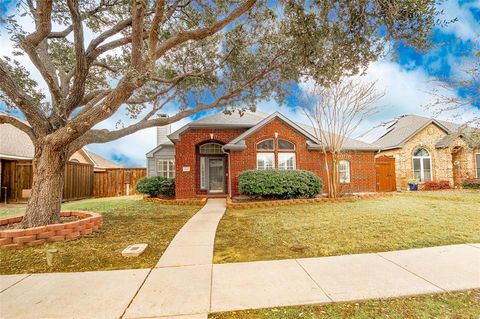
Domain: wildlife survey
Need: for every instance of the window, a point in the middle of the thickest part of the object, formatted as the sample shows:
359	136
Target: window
422	165
211	148
266	145
285	146
265	160
344	171
286	161
166	168
203	184
478	164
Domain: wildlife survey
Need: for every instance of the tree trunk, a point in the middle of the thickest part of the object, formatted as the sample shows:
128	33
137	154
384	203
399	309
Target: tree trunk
47	189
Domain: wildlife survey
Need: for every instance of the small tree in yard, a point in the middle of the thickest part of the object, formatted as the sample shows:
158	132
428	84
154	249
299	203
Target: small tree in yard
99	57
335	112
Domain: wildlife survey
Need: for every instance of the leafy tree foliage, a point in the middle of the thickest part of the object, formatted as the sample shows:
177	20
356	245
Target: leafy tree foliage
95	56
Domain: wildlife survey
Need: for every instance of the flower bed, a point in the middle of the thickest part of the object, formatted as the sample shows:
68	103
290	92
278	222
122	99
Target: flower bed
184	202
273	203
87	223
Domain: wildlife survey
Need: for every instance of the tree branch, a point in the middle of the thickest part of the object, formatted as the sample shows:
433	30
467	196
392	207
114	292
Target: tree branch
202	33
24	102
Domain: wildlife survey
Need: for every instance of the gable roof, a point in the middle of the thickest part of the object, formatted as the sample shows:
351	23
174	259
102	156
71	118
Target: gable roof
14	143
222	120
268	119
399	131
253	121
101	162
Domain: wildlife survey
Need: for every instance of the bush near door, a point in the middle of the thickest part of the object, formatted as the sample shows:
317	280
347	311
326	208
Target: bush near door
156	186
280	184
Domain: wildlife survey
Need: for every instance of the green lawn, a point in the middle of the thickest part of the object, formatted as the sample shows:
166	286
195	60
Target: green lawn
448	305
126	220
406	220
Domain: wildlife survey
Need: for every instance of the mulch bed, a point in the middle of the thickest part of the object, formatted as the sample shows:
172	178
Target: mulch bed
18	225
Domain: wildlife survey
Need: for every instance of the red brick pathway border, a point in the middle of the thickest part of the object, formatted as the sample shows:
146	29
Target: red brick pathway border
285	202
183	202
16	238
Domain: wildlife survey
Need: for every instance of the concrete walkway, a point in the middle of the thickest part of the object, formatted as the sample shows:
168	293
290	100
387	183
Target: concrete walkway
181	282
185	285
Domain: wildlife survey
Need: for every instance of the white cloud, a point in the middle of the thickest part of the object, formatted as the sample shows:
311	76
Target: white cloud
466	27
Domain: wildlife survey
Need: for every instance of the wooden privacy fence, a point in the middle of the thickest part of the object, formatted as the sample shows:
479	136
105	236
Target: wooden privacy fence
17	176
117	181
78	181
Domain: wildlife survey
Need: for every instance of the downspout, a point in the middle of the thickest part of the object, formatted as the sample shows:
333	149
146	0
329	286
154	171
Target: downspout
229	175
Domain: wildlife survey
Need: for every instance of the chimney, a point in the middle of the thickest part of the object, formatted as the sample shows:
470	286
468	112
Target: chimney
162	132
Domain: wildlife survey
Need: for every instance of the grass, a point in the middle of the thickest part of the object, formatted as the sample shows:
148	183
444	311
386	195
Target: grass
126	220
447	305
404	221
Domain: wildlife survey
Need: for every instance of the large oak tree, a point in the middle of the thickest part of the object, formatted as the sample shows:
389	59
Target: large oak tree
96	57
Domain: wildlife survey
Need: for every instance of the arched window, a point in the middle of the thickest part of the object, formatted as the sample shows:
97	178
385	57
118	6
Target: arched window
284	152
285	145
211	148
265	154
422	165
266	145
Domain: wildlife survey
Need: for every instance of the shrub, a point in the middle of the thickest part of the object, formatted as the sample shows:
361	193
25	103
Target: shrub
473	183
280	184
433	185
156	186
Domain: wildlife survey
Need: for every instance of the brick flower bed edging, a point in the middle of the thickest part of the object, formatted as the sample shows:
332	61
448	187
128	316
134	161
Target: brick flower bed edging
17	238
182	202
285	202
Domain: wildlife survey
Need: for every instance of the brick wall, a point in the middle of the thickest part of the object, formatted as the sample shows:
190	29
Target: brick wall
188	182
362	164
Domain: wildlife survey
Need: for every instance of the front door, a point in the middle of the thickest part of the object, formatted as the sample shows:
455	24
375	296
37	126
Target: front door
216	175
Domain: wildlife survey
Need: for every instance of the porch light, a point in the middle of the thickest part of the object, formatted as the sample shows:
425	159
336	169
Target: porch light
276	134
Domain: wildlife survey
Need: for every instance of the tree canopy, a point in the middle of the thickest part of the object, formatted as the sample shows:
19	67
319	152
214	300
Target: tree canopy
97	56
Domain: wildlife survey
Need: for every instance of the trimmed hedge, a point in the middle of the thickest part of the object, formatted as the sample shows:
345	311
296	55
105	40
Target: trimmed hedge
473	183
281	184
156	186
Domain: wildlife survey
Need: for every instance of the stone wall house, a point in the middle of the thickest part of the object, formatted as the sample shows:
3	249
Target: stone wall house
427	149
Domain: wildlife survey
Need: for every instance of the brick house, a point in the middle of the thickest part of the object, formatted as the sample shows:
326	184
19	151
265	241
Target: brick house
426	149
206	156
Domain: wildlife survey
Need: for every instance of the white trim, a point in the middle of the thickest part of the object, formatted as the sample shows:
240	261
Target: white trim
5	156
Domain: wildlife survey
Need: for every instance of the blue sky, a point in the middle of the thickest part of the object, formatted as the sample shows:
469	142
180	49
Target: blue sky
406	81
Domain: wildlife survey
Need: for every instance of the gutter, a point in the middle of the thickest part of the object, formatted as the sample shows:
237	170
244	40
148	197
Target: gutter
229	173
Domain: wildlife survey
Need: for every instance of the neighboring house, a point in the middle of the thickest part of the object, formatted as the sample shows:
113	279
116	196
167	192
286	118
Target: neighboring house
426	149
206	156
16	153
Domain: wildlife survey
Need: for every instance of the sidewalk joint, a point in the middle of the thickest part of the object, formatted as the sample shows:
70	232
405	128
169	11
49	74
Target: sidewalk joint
136	293
316	283
16	283
417	275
